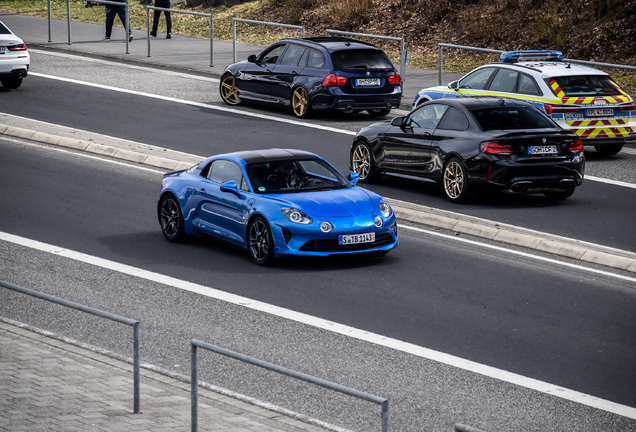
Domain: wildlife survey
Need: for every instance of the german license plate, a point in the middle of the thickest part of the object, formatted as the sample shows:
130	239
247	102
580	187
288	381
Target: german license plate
368	81
597	112
548	149
1	50
356	238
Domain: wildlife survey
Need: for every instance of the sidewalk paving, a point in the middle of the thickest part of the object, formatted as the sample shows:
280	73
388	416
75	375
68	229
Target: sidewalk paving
49	384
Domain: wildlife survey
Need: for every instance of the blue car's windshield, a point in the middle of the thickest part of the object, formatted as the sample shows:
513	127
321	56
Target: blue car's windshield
288	176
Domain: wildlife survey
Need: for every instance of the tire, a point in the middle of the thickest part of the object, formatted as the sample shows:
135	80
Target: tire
608	150
560	195
455	181
171	219
229	91
379	112
12	83
300	103
362	162
260	242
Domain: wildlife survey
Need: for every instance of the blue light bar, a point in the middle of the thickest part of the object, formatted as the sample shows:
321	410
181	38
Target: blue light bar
512	56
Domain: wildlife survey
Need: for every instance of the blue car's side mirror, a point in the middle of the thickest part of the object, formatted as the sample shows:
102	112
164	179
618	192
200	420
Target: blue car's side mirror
251	58
354	177
231	187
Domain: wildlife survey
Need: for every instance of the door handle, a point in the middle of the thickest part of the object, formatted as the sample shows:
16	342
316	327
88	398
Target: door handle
426	134
202	191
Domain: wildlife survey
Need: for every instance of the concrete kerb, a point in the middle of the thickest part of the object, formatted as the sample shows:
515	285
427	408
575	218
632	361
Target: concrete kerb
404	211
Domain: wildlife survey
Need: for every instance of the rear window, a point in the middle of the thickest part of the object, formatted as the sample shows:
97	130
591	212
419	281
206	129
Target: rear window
512	118
360	59
3	29
584	85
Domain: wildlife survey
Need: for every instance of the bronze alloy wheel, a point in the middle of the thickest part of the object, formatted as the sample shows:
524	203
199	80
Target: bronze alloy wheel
300	103
361	162
229	90
456	185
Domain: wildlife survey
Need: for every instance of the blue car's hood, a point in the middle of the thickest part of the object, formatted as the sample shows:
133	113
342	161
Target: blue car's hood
352	201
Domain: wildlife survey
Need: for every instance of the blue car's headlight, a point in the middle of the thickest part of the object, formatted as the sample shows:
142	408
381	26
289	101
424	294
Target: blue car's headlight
296	215
385	208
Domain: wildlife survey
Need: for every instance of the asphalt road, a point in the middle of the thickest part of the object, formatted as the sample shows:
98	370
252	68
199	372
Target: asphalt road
557	324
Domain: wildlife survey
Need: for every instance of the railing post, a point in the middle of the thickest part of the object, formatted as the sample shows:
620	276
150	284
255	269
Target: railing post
194	389
385	416
136	371
439	62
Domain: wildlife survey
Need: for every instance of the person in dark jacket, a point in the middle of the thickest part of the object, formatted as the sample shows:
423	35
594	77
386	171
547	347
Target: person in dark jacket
155	18
111	11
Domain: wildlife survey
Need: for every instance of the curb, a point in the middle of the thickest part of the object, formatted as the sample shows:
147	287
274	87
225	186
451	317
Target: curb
406	212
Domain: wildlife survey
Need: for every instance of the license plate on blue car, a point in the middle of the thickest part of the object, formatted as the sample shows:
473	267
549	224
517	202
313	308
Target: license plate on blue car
368	81
356	238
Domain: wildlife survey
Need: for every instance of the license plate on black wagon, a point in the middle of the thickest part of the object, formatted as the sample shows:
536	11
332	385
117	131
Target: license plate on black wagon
368	81
356	238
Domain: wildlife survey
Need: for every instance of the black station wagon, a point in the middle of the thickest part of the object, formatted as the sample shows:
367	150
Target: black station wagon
316	74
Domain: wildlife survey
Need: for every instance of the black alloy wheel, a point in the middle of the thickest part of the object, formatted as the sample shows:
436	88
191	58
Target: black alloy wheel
558	195
456	185
260	242
11	83
362	162
171	218
609	149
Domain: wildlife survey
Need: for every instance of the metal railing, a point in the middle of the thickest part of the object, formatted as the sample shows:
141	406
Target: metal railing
270	366
186	13
404	55
68	18
441	46
100	313
235	20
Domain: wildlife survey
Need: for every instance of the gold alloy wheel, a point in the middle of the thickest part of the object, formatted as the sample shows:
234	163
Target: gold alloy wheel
453	180
300	104
229	90
361	161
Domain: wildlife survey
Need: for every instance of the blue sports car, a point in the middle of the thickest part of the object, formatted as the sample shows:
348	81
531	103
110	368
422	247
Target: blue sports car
275	203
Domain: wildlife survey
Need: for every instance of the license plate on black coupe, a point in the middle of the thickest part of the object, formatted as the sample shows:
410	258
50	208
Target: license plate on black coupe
356	238
547	149
368	82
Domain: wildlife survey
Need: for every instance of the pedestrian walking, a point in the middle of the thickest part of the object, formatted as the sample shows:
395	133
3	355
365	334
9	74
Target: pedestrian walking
157	14
111	11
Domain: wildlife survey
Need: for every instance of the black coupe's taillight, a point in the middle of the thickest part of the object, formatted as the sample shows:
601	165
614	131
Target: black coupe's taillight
496	148
576	146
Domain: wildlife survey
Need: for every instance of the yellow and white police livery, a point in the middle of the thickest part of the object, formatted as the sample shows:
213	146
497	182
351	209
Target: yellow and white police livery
580	98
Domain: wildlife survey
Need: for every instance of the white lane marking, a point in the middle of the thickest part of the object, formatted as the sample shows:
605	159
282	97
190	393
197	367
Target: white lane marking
520	253
123	65
199	104
612	182
502	375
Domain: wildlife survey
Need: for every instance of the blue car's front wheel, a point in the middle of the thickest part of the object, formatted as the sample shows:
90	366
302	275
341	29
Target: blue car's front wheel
171	218
260	241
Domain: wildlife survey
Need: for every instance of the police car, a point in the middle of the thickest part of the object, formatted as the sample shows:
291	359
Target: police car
580	98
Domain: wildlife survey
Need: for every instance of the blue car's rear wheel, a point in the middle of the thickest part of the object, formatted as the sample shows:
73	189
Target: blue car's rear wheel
171	218
260	241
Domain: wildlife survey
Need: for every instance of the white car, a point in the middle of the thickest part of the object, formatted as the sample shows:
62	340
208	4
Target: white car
14	58
579	98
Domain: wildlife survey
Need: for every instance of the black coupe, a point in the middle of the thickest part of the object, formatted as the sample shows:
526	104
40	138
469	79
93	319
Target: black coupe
469	142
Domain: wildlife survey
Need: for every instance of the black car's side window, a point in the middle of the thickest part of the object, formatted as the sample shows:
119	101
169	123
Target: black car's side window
272	55
505	81
453	119
427	116
315	59
477	80
223	171
292	55
528	86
